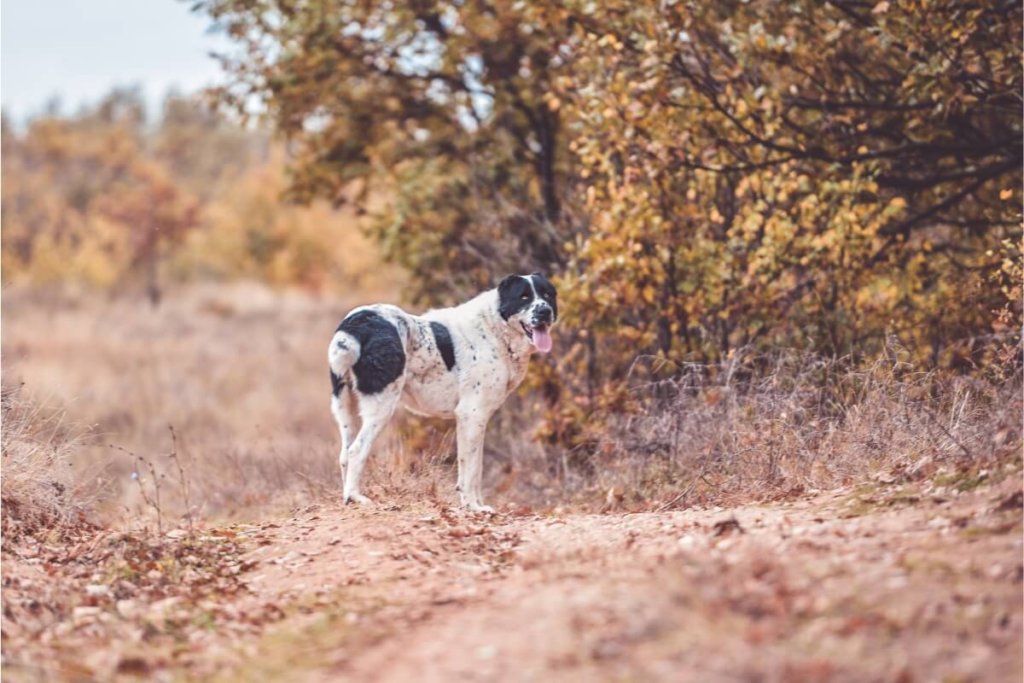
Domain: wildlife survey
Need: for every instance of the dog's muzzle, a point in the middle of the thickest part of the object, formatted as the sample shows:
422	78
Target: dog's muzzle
543	315
538	330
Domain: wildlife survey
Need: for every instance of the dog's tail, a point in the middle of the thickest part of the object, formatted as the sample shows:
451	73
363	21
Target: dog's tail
342	354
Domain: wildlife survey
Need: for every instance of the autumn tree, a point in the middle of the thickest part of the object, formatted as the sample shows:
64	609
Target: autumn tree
157	215
53	174
842	169
444	109
201	148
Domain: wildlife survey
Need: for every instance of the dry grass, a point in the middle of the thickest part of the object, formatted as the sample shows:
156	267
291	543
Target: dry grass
38	489
238	372
761	428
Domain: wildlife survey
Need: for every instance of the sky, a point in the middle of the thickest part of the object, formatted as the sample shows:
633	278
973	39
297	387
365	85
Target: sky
77	50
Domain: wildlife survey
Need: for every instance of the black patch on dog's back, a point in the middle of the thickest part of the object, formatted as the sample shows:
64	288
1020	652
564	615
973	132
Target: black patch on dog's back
443	338
511	293
381	358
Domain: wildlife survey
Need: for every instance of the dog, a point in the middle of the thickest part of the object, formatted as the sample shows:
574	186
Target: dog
457	363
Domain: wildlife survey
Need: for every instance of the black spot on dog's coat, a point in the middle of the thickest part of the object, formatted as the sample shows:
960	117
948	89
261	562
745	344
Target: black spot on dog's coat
444	344
514	294
337	384
381	358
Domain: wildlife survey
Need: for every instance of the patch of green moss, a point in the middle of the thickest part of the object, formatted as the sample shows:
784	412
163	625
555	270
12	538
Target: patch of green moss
869	498
963	480
314	643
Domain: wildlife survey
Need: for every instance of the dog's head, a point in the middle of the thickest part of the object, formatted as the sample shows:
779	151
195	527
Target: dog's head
529	304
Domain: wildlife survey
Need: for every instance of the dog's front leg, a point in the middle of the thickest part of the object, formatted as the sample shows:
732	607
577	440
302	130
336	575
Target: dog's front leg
471	425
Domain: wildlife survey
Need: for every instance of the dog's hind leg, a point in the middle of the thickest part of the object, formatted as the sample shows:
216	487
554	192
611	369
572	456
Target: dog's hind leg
374	412
344	410
342	355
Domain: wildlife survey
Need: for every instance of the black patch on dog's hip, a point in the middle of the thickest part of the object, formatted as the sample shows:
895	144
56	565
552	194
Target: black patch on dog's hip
381	357
443	338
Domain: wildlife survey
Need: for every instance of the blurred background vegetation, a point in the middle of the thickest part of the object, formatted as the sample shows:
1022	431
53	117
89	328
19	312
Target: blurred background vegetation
108	199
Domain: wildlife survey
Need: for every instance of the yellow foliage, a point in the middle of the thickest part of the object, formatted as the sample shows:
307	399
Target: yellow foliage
97	199
247	232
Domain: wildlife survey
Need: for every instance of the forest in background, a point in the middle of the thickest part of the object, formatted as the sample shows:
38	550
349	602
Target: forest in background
700	178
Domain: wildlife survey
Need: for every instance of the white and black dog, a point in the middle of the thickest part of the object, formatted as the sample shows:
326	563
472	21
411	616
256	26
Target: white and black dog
459	363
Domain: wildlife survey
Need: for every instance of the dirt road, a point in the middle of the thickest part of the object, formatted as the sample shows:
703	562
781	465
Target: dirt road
885	585
911	582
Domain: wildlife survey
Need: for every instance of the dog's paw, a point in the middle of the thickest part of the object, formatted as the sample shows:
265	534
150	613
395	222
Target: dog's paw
357	498
485	509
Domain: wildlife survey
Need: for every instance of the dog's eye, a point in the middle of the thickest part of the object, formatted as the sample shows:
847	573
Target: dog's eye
525	297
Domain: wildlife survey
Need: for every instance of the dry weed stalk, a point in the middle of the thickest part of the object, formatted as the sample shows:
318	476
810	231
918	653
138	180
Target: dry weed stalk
184	481
152	497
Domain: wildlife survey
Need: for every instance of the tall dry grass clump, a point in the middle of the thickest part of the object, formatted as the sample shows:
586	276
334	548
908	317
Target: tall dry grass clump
760	427
38	490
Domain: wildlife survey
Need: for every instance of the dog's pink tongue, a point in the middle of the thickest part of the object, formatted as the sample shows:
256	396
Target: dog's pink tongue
542	340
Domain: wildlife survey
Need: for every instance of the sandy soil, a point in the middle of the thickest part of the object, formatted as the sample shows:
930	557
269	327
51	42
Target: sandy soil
886	583
842	586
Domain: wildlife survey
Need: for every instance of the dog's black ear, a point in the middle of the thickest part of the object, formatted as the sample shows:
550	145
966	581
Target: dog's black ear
510	291
507	282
